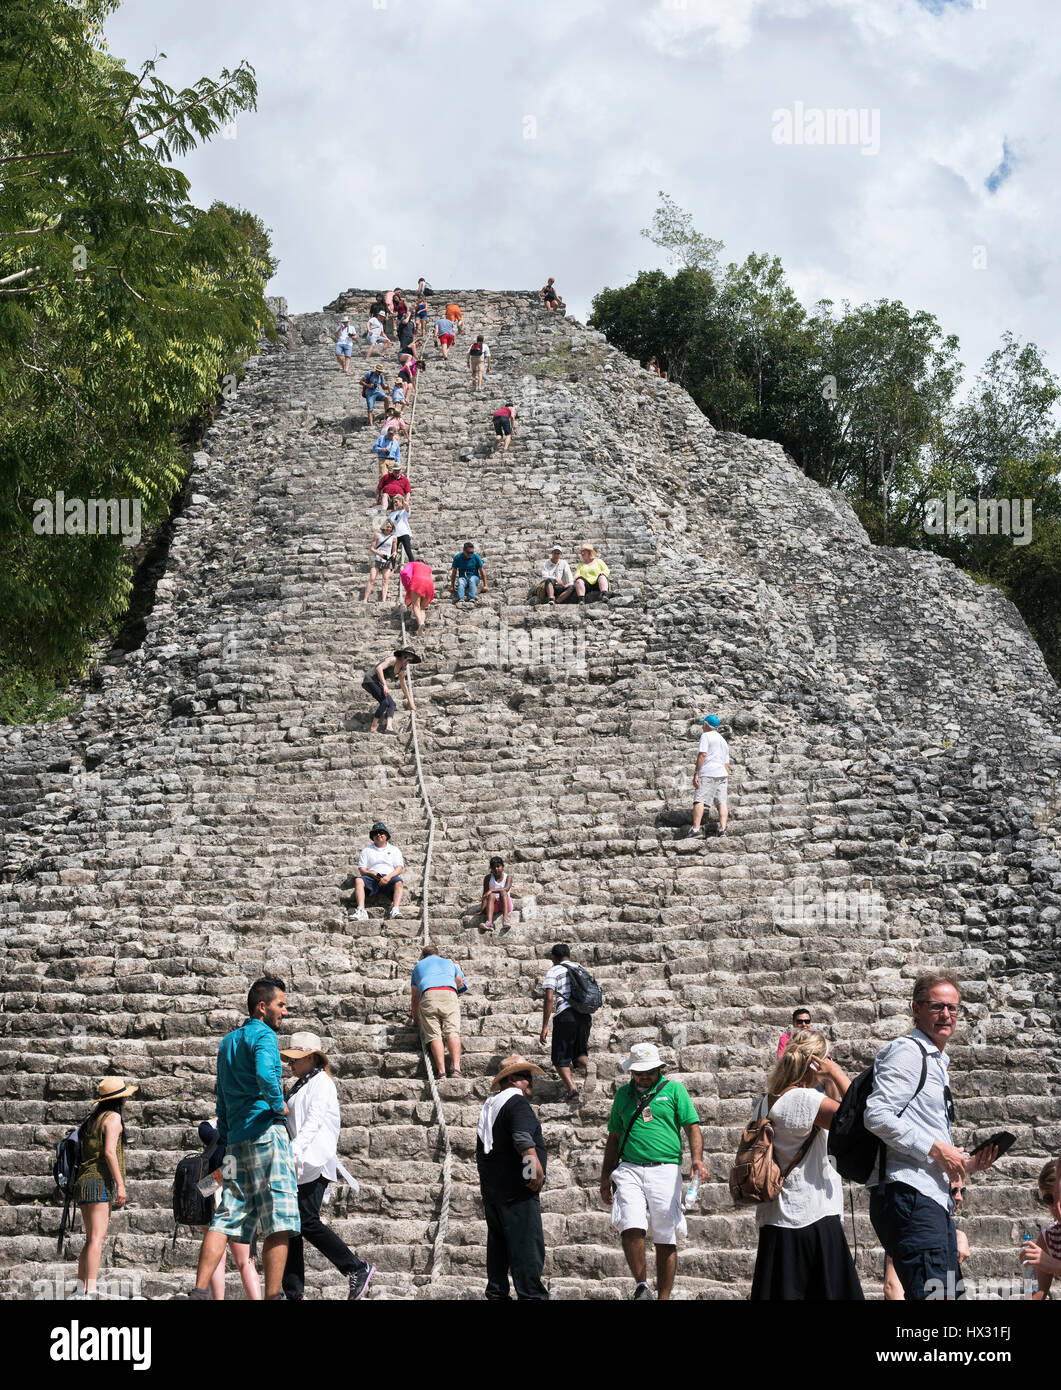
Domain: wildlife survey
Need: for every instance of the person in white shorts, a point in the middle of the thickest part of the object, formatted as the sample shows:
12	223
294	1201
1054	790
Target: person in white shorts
641	1176
711	776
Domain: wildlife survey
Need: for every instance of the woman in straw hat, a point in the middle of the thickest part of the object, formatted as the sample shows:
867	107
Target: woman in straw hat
100	1180
313	1122
592	574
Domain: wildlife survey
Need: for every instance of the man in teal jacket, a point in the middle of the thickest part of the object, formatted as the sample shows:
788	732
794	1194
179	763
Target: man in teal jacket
258	1171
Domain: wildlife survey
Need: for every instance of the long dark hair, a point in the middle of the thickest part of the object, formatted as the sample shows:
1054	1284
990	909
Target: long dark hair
104	1107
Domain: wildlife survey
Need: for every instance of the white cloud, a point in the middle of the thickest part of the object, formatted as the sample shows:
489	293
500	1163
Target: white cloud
405	127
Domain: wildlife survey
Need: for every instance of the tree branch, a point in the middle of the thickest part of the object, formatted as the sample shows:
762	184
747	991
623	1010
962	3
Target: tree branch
19	275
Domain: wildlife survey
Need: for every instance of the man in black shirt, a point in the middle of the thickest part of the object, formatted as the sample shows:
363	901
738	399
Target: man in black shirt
510	1154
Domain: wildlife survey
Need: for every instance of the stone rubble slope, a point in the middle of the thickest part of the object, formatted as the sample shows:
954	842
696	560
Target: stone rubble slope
894	738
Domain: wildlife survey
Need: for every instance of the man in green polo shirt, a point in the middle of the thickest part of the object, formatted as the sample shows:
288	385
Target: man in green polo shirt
641	1176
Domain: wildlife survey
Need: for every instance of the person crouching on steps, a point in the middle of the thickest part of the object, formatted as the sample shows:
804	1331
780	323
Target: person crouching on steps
376	685
497	892
313	1123
99	1183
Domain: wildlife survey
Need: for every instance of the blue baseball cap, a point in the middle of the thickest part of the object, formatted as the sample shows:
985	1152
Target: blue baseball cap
711	719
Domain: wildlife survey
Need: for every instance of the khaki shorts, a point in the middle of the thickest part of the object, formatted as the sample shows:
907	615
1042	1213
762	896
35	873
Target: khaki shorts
440	1015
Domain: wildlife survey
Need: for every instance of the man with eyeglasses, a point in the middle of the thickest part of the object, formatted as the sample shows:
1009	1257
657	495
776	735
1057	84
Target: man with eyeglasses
911	1111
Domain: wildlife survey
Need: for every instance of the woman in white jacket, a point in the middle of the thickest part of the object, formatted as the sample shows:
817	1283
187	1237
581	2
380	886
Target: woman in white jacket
313	1124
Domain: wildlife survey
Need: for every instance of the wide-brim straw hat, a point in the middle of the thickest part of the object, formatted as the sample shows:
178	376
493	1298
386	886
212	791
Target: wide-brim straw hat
587	545
115	1088
511	1065
304	1045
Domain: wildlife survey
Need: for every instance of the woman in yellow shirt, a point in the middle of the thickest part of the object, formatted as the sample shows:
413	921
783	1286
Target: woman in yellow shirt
592	573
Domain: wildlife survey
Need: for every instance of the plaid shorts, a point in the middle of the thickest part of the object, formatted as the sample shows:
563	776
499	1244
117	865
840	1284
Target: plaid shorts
261	1192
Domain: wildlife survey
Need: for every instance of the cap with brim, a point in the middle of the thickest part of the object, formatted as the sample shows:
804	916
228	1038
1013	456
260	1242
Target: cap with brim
711	719
409	655
379	829
304	1045
115	1088
512	1066
643	1057
557	549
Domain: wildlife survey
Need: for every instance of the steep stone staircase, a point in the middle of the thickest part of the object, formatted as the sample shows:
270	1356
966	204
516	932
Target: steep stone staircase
894	741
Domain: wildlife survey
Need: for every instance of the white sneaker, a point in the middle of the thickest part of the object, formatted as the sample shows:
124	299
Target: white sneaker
360	915
396	912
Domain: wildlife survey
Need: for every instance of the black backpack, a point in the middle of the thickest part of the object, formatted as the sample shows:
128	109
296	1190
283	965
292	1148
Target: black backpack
855	1152
190	1207
585	996
64	1171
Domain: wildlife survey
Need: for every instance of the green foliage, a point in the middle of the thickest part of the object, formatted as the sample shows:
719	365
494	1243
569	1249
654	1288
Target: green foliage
121	307
864	399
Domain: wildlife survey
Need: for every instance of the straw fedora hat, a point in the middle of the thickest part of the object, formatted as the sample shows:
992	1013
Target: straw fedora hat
587	545
511	1065
114	1088
304	1045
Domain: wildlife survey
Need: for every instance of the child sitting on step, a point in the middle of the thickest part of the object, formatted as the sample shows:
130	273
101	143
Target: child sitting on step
497	892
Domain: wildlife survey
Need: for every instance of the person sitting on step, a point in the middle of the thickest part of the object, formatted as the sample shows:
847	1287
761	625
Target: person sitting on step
592	574
379	870
549	296
558	583
497	892
466	574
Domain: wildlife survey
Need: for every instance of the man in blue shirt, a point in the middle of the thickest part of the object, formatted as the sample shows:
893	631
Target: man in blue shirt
436	982
912	1208
259	1171
375	387
387	445
466	574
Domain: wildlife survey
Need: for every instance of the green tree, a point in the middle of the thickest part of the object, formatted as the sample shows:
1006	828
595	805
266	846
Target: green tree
121	306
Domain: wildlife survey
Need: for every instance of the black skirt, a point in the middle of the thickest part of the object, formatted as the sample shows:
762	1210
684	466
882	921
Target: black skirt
805	1262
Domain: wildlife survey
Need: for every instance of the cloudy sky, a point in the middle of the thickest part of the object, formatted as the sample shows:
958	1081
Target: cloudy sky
490	143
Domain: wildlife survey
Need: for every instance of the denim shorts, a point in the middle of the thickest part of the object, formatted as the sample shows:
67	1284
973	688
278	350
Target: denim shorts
918	1233
374	398
344	349
372	887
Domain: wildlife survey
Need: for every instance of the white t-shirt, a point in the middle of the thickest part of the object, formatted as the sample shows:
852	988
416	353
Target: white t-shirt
375	328
380	861
559	979
717	750
560	573
344	333
400	522
814	1188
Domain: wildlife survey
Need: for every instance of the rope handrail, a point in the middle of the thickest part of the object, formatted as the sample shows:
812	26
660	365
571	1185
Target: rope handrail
438	1249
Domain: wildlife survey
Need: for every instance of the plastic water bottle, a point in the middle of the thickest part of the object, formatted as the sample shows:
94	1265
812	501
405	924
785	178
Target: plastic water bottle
1029	1281
692	1196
